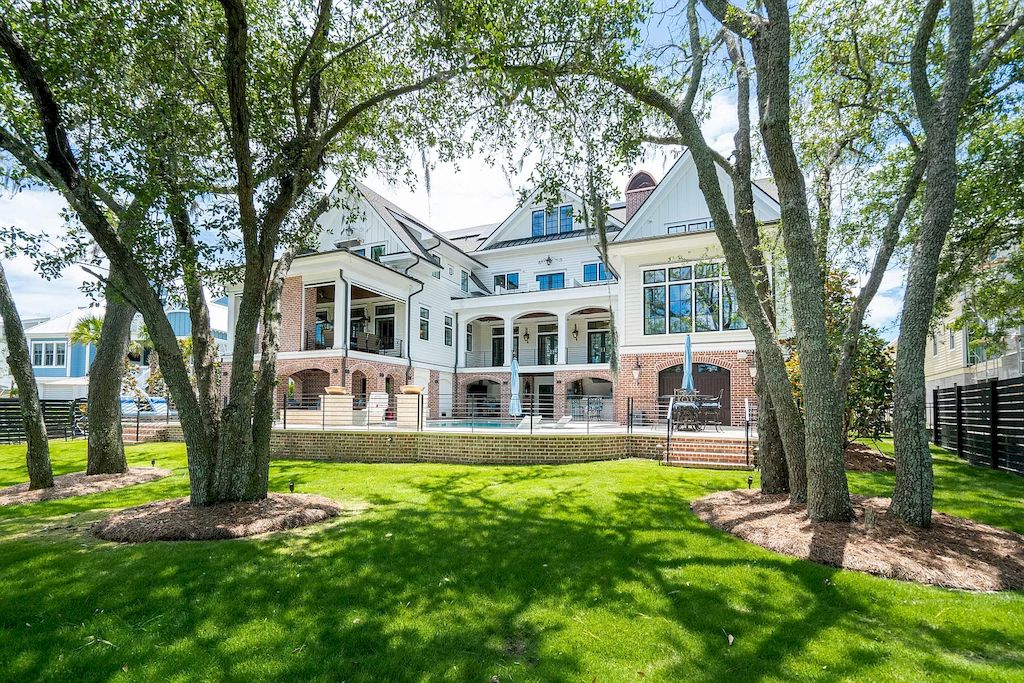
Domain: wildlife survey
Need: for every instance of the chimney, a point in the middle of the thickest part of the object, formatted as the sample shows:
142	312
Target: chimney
638	189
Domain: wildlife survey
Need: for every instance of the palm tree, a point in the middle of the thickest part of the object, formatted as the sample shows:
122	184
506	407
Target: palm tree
87	331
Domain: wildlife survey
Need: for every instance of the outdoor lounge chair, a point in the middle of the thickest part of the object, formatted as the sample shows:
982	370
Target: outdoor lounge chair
562	423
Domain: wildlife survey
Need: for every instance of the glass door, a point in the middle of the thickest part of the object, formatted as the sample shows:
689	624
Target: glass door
547	349
597	346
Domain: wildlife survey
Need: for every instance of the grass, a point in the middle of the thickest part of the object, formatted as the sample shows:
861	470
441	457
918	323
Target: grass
592	572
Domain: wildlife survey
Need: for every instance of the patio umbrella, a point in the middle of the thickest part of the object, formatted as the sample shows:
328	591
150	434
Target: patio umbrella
515	406
688	367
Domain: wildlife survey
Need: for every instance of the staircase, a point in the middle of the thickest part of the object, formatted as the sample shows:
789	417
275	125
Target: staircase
697	450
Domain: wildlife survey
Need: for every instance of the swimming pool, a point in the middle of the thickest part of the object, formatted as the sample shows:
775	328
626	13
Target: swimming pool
471	424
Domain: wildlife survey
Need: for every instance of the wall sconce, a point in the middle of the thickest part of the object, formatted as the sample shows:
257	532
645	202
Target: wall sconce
381	375
576	332
753	371
334	371
526	337
636	371
742	355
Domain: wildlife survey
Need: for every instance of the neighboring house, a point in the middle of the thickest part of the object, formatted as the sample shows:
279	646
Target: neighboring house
6	379
949	359
386	300
62	368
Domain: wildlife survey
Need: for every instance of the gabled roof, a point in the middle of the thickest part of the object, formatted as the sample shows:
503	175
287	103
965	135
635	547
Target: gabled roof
544	238
668	180
62	325
491	241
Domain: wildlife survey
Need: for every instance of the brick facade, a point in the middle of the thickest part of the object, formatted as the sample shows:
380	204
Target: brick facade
291	314
645	390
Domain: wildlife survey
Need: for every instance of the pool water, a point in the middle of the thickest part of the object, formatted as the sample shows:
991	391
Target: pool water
472	424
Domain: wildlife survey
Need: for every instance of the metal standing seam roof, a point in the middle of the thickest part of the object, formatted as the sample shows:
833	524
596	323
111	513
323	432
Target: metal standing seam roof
543	238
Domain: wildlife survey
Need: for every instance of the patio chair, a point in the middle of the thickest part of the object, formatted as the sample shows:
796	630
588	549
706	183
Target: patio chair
712	408
562	423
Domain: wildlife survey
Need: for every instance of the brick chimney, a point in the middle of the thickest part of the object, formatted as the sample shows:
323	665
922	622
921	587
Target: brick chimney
638	189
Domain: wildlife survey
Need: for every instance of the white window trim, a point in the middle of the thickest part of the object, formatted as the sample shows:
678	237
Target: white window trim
369	249
536	277
43	344
721	277
687	223
448	335
505	275
597	263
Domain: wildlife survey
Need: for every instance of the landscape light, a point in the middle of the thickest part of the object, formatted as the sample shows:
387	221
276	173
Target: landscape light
291	487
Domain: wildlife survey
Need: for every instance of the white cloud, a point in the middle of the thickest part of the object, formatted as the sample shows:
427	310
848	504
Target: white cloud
39	212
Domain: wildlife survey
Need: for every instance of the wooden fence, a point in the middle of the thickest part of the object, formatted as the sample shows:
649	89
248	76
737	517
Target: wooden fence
59	417
983	422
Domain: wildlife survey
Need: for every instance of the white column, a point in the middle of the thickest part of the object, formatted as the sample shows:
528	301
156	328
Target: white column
508	341
563	320
341	310
460	344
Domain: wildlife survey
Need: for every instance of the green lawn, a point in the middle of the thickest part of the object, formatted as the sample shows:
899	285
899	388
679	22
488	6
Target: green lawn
592	572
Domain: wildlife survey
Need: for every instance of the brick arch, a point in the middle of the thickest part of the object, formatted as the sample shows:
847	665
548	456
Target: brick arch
718	358
288	368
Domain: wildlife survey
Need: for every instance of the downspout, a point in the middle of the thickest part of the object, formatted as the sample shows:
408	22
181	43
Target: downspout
344	327
408	319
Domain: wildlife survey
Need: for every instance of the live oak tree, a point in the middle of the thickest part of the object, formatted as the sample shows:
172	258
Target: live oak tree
244	111
37	456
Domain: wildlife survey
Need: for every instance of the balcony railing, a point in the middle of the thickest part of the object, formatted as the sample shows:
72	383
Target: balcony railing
573	356
367	343
535	287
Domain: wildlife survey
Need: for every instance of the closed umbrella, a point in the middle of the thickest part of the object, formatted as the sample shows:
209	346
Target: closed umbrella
688	367
515	406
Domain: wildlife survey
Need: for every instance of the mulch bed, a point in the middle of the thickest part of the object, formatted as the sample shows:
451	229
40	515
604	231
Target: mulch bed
863	458
80	484
954	552
176	520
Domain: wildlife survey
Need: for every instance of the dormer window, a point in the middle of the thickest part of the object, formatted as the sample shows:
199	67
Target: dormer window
552	222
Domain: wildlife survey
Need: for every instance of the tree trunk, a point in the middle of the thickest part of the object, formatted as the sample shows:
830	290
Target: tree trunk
106	447
912	494
771	456
828	495
37	457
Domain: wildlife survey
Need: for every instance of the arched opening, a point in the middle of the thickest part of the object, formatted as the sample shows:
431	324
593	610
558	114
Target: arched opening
535	338
358	388
590	398
708	380
588	333
483	398
306	387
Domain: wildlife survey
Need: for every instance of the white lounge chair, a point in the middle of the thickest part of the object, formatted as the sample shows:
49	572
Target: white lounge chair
525	422
563	422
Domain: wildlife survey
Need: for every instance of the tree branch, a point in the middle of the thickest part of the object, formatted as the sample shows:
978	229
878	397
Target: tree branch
919	85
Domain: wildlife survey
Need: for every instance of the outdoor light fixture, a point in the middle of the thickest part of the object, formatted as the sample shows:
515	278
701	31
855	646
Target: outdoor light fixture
152	463
750	481
575	332
526	337
291	486
753	370
636	371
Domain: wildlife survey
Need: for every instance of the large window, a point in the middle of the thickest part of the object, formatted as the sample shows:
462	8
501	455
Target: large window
378	251
690	298
551	281
49	354
507	281
595	272
448	334
551	222
465	281
424	323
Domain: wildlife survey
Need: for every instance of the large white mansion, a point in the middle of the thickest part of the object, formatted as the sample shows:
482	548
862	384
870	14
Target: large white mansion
386	300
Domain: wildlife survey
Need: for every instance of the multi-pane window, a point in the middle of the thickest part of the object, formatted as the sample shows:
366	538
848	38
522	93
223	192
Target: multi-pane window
692	298
378	251
465	281
49	354
507	281
692	226
469	338
551	222
424	323
437	261
551	281
448	332
595	272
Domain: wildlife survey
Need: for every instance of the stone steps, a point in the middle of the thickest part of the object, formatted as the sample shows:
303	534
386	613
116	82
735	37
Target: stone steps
717	453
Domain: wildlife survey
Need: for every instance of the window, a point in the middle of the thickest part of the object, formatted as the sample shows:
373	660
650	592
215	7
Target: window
507	281
469	338
595	272
694	226
424	323
377	251
691	298
49	354
448	332
465	281
384	309
437	261
552	222
654	310
935	344
952	338
551	281
359	252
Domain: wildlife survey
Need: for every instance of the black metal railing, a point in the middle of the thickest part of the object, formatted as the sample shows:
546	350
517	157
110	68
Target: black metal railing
371	343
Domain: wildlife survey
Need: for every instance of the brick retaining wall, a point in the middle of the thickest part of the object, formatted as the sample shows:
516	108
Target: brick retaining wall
447	447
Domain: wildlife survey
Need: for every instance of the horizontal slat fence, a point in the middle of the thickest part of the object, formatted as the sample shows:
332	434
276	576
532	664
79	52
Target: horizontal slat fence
59	417
982	422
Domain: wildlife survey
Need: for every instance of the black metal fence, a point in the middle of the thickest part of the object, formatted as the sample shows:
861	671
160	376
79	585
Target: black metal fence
982	422
63	419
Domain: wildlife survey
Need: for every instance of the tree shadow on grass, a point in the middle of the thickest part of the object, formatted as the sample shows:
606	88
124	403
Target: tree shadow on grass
455	574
